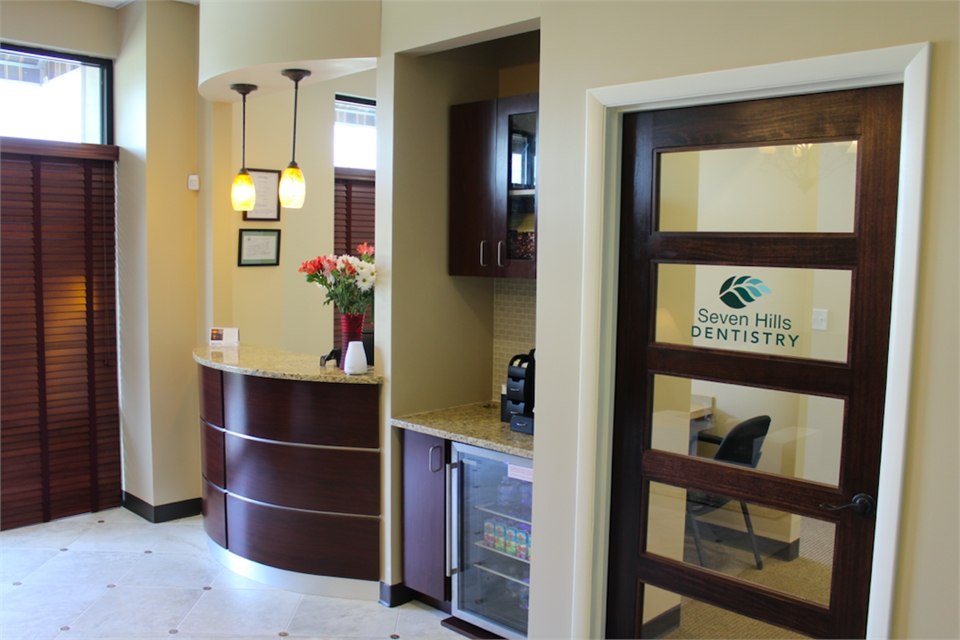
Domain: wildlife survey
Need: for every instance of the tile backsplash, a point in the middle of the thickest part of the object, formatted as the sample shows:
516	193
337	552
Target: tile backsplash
514	325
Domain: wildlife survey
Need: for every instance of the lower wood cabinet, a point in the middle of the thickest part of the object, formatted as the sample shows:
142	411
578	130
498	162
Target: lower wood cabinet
309	478
289	481
425	515
215	513
305	541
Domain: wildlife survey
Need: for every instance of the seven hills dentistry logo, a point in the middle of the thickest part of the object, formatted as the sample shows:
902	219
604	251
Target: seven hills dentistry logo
738	292
761	328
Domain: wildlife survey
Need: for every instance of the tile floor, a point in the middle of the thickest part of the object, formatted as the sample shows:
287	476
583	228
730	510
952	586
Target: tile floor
114	575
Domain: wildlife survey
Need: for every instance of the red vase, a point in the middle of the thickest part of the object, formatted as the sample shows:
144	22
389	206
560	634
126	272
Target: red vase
351	330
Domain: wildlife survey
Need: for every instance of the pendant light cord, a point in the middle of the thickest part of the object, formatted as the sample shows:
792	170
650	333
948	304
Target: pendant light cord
243	137
296	91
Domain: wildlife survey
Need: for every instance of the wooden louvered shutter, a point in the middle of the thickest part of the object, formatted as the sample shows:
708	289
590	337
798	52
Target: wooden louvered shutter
59	428
353	220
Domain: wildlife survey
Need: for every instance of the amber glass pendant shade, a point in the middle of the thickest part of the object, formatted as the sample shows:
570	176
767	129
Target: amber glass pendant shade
243	194
293	189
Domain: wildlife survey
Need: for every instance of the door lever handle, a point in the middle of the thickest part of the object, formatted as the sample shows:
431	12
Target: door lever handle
862	504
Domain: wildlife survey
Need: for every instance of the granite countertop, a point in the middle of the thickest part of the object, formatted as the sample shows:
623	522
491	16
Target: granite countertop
476	424
252	360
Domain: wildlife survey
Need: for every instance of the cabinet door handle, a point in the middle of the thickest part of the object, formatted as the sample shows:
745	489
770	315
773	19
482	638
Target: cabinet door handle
482	263
438	447
499	254
448	520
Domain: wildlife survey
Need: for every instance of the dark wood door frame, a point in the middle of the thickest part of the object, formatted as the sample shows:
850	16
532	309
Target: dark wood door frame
868	252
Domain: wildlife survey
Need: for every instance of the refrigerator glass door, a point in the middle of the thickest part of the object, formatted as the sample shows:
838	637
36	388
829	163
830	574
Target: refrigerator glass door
493	540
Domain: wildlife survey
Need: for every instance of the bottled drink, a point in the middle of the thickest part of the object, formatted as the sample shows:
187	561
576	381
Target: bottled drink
489	532
507	492
523	536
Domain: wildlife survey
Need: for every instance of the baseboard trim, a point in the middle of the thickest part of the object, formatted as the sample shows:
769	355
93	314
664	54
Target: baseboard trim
441	605
662	624
308	583
769	547
163	512
468	630
393	595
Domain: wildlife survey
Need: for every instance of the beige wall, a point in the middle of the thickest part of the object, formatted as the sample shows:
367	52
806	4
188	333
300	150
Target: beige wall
588	45
274	306
172	248
240	35
157	252
76	27
133	305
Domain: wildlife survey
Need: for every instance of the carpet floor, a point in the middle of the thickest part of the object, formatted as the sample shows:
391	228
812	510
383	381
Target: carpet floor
807	576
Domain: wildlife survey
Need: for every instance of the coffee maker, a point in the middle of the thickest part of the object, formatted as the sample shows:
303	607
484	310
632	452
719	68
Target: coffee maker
516	405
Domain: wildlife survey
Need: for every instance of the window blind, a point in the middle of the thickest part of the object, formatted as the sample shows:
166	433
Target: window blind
353	220
59	419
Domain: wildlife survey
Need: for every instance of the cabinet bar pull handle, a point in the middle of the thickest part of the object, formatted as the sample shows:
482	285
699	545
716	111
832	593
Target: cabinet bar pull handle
482	263
448	522
430	458
499	251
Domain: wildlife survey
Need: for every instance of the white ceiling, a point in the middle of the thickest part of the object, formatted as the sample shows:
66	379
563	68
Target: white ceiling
116	4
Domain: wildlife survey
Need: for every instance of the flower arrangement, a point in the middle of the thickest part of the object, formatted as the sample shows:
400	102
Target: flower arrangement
348	279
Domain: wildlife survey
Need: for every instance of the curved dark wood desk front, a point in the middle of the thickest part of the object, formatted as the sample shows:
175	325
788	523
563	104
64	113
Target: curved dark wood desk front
291	472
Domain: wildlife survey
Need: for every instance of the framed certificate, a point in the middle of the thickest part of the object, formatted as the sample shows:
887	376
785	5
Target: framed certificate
267	184
259	248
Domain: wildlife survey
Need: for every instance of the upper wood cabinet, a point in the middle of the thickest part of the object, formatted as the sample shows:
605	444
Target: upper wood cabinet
493	188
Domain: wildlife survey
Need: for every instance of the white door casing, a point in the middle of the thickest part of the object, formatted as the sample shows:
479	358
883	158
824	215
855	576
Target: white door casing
907	64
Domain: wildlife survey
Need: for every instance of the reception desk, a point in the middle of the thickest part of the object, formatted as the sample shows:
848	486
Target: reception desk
291	469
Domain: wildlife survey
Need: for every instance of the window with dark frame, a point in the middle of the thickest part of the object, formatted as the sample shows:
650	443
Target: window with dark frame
50	95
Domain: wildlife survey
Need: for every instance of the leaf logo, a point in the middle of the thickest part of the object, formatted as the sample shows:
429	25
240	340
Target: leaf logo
737	292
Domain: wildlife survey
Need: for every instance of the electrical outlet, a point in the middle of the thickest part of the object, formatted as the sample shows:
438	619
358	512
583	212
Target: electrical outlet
819	322
193	182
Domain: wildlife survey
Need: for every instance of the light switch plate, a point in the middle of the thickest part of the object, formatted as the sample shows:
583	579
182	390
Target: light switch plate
819	322
193	182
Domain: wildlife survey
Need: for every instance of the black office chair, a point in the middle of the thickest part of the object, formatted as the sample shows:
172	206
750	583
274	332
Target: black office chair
740	446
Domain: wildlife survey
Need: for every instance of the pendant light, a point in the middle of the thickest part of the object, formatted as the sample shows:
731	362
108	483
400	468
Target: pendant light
243	194
292	187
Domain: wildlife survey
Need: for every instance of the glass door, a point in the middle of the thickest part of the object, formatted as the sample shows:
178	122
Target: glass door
517	158
756	266
493	540
522	186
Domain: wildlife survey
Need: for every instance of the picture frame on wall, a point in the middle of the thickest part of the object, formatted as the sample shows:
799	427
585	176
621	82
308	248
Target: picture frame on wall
267	184
258	248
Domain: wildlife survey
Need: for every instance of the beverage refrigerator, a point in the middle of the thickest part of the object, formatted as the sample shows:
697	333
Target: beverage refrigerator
492	502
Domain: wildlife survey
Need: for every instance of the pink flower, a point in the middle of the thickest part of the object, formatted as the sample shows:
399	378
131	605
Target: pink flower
365	249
